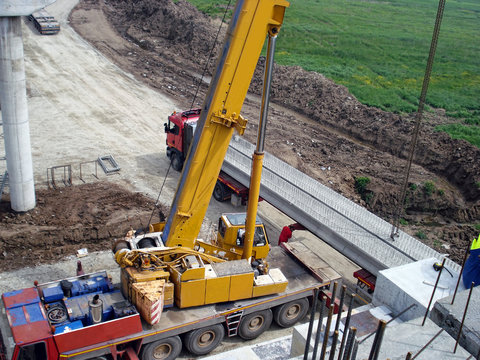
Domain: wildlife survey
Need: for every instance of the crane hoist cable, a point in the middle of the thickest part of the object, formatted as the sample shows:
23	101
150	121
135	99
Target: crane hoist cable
210	54
418	119
191	107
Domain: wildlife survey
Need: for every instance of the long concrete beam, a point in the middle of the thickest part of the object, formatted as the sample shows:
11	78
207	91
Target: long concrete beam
351	229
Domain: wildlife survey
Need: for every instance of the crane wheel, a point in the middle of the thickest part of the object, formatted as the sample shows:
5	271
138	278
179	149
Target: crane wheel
165	349
288	314
202	341
253	325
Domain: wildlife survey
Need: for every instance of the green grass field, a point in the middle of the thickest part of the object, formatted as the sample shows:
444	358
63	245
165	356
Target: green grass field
379	51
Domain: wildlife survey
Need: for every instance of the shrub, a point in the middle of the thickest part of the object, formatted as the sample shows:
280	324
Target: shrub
412	186
478	184
441	192
361	183
477	227
428	188
403	221
421	235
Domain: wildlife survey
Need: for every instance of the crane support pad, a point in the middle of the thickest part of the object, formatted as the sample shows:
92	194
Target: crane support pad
319	268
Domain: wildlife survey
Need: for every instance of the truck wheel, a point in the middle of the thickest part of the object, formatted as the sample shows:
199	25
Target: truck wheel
255	324
288	314
177	162
219	192
202	341
165	349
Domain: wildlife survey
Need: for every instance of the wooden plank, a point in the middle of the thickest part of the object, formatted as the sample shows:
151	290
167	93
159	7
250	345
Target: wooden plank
311	260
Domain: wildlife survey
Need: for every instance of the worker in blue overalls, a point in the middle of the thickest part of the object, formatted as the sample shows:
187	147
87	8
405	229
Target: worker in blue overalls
471	272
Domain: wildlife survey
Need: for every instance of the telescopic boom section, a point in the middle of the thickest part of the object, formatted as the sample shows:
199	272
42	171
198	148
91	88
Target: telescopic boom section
251	21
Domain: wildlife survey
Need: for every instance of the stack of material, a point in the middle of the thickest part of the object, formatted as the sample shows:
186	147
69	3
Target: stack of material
148	298
131	275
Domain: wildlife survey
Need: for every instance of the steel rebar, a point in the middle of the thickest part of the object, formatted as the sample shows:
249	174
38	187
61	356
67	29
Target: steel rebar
463	317
378	343
334	292
389	321
327	331
467	250
340	306
355	349
333	347
345	328
427	344
349	345
319	327
409	356
433	292
310	325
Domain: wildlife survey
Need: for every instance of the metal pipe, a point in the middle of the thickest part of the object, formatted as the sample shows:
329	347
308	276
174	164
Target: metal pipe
463	317
433	292
310	324
340	306
467	250
326	333
428	343
333	347
257	160
383	325
350	341
389	321
345	328
319	327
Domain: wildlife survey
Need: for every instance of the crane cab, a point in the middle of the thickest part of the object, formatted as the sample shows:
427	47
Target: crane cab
231	234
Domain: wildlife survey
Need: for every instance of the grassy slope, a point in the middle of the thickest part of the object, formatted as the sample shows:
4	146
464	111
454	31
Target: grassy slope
379	51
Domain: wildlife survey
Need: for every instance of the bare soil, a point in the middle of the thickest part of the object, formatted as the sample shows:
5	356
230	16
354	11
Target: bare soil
314	124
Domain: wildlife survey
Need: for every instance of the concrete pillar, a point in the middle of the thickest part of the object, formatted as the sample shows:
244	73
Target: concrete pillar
13	100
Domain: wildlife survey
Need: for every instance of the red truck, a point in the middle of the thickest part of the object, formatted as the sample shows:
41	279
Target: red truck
86	317
180	129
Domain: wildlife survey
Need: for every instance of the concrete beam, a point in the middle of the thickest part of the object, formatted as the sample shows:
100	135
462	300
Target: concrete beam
22	7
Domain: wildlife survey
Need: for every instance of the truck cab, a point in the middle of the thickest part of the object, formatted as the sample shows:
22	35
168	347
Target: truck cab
180	129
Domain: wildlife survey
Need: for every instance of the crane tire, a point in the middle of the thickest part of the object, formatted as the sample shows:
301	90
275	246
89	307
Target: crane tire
289	313
202	341
254	324
165	349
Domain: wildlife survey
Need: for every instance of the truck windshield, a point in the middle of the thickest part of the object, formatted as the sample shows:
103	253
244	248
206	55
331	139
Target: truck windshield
37	351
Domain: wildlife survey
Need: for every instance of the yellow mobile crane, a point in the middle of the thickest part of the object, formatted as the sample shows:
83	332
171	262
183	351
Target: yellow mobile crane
241	240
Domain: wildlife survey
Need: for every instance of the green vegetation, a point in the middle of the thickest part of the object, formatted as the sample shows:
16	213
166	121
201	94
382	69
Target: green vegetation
379	49
402	221
441	192
421	235
429	188
361	183
477	227
412	186
478	184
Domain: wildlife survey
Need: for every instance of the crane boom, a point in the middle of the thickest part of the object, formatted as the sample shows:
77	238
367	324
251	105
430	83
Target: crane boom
251	21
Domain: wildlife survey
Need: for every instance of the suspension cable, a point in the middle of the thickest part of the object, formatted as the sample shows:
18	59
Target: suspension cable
418	119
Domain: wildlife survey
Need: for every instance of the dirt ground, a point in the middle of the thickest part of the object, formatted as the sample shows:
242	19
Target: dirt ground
314	125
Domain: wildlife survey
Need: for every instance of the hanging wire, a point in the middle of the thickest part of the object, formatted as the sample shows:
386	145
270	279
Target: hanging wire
418	118
210	55
191	107
158	197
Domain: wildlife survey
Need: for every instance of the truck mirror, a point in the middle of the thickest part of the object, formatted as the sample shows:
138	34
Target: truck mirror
166	127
